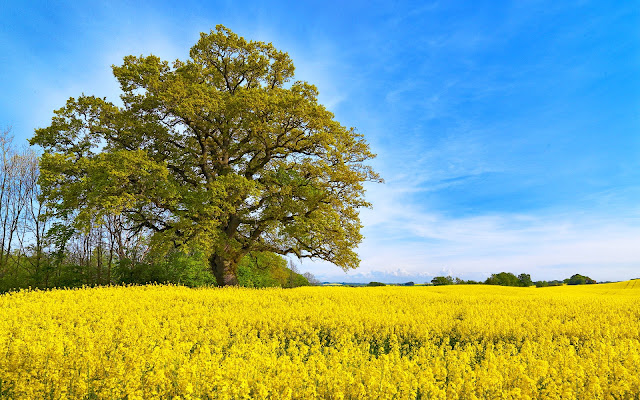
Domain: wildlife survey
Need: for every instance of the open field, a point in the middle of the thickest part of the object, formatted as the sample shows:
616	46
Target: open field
322	342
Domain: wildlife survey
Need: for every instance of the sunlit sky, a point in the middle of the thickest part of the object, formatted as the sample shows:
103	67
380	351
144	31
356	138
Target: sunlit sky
508	133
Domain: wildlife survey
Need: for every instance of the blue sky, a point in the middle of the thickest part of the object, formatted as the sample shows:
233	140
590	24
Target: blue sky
508	133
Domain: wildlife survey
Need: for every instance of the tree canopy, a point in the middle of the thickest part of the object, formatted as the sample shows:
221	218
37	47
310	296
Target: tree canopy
442	280
578	279
509	279
222	152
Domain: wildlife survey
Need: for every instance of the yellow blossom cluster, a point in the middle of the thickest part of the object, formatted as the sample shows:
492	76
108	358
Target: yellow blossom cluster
451	342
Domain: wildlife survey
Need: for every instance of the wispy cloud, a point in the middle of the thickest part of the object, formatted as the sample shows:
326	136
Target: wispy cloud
403	236
408	240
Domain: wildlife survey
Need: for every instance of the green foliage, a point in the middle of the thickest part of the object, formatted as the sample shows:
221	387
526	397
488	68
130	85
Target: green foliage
265	269
258	269
442	280
376	284
177	268
549	283
221	153
578	279
296	280
502	279
17	277
69	275
261	269
525	280
509	279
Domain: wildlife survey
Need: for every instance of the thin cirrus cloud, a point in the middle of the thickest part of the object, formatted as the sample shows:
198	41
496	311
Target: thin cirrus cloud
409	242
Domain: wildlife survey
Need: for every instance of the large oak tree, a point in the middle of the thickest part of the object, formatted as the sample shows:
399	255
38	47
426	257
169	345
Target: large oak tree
222	151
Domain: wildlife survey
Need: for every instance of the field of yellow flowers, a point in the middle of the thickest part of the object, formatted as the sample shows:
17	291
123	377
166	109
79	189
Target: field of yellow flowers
417	342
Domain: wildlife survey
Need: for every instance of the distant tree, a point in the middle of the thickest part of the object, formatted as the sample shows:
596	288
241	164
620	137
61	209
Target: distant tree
442	280
460	281
578	279
311	278
409	284
525	280
548	283
295	279
221	153
503	279
376	284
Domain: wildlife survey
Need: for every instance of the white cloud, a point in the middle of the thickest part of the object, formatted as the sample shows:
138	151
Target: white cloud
402	238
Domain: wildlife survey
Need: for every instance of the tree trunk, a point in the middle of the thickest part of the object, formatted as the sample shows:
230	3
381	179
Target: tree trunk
224	270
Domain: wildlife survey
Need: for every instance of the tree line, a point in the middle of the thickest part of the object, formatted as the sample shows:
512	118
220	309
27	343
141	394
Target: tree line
40	251
510	279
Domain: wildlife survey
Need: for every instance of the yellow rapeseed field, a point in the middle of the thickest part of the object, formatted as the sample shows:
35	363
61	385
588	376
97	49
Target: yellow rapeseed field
452	342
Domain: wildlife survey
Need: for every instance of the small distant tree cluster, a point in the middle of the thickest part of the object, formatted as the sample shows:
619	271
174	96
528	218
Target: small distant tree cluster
549	283
442	281
449	280
578	279
509	279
